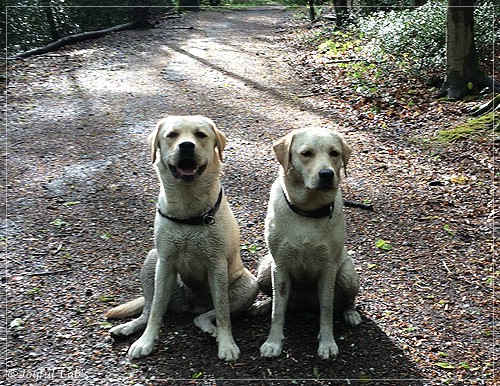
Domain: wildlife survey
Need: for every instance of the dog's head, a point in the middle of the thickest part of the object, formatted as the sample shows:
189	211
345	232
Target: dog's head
186	146
313	155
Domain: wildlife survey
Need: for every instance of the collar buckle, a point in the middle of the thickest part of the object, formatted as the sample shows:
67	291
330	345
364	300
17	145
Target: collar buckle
208	219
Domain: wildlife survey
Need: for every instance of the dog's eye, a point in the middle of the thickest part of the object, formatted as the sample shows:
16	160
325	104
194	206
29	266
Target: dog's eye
334	153
306	153
172	134
201	134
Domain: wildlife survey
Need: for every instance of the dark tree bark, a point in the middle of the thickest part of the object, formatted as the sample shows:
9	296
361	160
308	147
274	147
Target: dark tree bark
312	11
341	11
188	5
464	75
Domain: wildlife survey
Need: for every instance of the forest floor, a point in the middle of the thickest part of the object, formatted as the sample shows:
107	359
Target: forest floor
81	202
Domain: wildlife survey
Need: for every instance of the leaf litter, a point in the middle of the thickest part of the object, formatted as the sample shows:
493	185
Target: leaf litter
431	294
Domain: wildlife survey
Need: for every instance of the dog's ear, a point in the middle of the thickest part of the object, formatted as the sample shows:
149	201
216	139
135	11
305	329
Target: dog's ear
154	139
220	143
346	153
220	138
282	150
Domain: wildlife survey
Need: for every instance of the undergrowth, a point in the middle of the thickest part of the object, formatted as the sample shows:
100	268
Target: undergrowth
409	42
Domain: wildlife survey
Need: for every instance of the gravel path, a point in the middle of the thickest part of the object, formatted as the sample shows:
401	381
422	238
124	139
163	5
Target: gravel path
81	204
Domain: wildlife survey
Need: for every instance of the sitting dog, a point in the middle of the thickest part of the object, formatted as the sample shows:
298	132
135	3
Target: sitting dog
308	263
196	264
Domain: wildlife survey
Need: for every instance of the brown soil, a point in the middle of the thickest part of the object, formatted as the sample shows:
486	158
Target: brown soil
81	196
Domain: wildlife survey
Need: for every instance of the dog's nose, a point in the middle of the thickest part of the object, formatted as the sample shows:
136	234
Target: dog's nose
326	175
186	146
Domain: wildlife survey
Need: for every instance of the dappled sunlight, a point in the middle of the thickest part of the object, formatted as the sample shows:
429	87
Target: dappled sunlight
82	195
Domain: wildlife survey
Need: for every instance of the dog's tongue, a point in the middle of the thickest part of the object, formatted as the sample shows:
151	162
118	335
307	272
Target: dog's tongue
186	171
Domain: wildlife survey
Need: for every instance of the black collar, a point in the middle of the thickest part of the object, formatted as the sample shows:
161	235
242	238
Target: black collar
205	219
325	211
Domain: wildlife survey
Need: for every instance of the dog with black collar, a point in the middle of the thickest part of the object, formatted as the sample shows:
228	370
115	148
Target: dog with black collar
308	266
195	265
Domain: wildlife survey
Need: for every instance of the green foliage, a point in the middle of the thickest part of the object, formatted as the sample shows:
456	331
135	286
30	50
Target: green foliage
486	31
414	39
33	23
384	245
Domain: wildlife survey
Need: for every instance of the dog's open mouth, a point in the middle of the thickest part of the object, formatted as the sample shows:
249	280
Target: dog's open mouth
187	169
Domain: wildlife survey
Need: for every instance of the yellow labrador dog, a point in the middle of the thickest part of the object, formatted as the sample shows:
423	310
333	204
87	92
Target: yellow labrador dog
305	232
196	265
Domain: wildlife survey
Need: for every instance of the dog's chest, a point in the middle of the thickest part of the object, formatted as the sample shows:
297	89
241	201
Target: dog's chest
190	248
304	248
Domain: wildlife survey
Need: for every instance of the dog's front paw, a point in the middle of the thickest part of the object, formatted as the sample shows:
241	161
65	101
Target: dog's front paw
271	349
229	352
141	347
328	349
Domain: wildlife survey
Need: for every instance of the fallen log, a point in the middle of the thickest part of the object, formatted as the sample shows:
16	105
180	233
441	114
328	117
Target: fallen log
76	38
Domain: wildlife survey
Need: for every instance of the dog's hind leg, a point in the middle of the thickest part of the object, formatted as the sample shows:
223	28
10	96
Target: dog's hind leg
147	281
164	285
242	294
262	307
346	289
205	322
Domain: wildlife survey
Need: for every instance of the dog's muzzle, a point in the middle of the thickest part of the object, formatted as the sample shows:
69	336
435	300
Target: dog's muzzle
326	178
186	168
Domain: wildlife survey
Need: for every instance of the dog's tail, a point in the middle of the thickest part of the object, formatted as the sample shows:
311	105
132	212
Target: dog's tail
131	308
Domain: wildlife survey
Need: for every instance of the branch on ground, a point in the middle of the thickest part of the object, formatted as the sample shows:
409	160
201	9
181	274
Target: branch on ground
76	38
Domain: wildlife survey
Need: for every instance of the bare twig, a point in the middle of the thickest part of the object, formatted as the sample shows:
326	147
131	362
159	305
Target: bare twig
354	204
59	247
47	273
446	266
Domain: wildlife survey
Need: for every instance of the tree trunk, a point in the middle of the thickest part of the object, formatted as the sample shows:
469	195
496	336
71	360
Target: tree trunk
464	75
341	11
312	11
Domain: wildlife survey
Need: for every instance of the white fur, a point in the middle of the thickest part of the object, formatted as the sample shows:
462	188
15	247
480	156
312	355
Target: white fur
201	256
308	250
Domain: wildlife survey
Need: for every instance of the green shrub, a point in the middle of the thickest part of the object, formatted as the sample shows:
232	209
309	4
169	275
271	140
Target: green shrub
415	38
486	32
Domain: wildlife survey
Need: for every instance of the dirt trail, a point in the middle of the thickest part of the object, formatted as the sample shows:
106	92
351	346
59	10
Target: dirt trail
81	205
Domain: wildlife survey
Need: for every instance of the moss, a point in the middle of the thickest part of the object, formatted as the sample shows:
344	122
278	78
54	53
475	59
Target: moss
481	126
